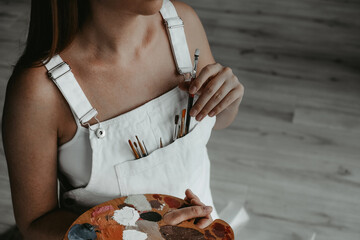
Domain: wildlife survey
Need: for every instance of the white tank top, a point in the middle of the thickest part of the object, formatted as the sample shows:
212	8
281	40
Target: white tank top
74	158
97	164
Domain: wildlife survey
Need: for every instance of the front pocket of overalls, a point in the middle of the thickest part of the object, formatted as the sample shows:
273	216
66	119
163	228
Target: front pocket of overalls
167	170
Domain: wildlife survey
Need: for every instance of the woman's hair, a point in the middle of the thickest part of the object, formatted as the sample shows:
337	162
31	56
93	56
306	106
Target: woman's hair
53	25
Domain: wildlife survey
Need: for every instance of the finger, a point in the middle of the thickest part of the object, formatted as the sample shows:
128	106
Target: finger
209	90
179	215
190	195
206	73
231	97
216	98
184	85
204	222
196	202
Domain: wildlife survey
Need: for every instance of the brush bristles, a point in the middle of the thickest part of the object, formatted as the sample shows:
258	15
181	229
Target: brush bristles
177	119
197	52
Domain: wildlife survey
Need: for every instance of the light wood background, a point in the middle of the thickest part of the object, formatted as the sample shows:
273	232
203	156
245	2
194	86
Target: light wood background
293	152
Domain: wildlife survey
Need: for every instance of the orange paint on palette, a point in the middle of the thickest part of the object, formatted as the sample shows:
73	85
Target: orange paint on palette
172	202
112	232
103	220
228	233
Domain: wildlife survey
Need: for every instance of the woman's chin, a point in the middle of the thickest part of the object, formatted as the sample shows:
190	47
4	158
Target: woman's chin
149	7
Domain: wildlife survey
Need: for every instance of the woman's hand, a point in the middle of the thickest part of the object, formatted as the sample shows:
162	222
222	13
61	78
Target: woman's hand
197	210
218	88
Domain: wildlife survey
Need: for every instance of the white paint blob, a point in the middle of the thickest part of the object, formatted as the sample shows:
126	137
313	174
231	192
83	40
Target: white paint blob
126	216
139	201
134	235
162	206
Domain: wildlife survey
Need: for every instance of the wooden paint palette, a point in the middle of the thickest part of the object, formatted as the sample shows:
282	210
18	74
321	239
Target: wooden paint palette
140	217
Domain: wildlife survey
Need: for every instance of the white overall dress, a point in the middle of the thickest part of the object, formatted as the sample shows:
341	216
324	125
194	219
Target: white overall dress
115	172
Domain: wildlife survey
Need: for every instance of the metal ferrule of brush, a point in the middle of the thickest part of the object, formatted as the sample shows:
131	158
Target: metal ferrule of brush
196	60
175	133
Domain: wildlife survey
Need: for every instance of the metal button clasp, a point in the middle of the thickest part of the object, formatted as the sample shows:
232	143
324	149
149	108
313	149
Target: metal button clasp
100	132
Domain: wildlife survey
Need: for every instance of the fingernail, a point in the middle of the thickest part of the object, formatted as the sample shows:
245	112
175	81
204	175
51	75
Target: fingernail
208	208
192	89
199	117
193	112
211	114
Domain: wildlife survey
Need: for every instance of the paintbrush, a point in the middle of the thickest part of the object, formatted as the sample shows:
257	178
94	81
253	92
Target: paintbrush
191	96
141	147
182	122
175	128
147	153
178	131
133	149
137	150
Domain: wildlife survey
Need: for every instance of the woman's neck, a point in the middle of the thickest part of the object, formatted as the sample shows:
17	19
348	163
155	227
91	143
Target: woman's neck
112	33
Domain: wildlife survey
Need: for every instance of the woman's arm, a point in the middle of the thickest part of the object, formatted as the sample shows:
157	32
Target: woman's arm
30	134
219	89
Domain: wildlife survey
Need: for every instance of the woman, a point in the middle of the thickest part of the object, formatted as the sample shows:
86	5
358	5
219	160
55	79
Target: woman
122	65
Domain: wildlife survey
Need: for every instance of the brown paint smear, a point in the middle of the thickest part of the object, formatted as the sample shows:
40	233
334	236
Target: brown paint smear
171	202
155	204
157	196
221	231
180	233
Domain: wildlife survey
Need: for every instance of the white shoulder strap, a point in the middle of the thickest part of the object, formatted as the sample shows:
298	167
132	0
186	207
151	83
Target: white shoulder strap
61	74
175	30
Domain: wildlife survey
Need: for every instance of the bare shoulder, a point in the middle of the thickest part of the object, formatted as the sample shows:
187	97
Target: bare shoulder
184	9
31	93
32	84
188	15
195	33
